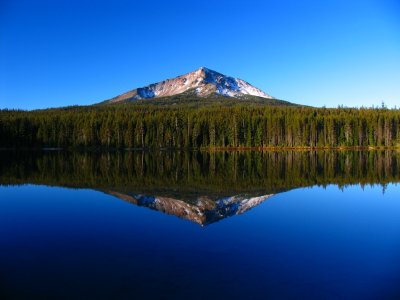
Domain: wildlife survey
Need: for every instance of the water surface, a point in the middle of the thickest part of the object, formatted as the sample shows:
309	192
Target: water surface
230	225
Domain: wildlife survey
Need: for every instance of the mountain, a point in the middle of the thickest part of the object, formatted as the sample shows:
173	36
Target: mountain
202	211
201	83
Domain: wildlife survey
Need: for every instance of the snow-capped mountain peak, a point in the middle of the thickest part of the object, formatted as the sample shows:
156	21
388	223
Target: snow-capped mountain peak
203	210
203	82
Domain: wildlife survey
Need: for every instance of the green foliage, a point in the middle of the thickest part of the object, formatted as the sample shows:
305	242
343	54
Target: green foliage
193	126
193	173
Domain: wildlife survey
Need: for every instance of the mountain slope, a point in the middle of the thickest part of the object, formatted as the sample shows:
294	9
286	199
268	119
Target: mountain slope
191	100
201	83
202	211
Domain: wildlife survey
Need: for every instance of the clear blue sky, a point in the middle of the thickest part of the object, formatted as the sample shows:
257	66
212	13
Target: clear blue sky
58	53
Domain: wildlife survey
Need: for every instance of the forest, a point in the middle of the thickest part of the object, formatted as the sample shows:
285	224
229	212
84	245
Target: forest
188	174
215	126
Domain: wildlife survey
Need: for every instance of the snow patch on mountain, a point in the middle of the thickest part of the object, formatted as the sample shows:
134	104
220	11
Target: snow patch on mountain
203	211
204	82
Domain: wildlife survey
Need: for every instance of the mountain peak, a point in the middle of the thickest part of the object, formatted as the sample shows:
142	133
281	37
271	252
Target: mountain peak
203	69
203	82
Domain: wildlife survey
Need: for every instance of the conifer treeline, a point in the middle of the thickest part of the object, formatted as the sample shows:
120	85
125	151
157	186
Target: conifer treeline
134	126
191	172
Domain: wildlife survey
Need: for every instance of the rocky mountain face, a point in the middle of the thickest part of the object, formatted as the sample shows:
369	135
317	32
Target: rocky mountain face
202	82
203	211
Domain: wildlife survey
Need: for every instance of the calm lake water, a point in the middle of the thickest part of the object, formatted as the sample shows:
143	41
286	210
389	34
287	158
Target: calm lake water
193	225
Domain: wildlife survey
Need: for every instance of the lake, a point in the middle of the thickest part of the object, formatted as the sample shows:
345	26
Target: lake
200	225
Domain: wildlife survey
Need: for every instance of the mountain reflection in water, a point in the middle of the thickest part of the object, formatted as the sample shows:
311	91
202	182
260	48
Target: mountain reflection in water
203	211
203	187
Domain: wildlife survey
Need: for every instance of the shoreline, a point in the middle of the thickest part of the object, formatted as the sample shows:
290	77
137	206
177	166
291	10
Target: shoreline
209	149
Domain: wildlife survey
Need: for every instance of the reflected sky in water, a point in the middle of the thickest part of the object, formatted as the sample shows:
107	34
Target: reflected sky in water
306	243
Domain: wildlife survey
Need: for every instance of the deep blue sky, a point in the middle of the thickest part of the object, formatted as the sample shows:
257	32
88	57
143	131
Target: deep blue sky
57	53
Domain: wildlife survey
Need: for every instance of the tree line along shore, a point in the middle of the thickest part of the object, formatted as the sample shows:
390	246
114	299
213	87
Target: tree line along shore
211	127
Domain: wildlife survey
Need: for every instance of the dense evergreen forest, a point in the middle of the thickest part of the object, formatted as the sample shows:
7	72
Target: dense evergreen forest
156	126
187	174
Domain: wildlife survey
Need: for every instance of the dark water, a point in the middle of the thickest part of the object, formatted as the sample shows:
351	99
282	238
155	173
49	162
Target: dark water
192	225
